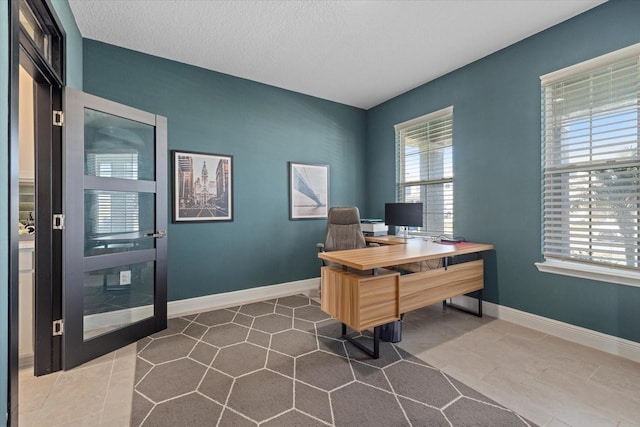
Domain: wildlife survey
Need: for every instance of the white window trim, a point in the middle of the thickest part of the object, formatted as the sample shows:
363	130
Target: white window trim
591	64
587	271
427	117
446	111
576	269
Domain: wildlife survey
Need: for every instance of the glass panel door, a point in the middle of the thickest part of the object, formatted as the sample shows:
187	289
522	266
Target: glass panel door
114	226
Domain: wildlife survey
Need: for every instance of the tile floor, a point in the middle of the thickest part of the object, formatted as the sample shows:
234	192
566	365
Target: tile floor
97	393
550	381
281	363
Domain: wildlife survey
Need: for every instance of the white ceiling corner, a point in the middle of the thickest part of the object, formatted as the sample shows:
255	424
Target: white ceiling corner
359	53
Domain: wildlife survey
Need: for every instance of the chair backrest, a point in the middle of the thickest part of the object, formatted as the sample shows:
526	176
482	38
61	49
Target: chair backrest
343	229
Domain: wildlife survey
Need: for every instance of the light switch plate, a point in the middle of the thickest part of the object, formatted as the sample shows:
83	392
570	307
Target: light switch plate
125	277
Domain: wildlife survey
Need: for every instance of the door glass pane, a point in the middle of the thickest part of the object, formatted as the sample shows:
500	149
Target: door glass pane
116	297
115	147
118	221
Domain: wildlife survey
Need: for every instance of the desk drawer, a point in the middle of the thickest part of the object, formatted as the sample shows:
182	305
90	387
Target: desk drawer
428	287
359	299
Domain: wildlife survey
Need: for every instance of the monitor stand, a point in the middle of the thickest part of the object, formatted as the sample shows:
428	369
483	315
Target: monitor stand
406	234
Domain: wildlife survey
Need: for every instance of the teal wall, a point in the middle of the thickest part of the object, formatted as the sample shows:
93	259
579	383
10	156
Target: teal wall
497	165
4	208
263	128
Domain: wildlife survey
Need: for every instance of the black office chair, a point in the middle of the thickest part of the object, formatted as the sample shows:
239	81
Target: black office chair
343	230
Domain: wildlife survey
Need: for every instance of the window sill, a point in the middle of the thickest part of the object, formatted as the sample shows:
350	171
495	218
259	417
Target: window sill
603	274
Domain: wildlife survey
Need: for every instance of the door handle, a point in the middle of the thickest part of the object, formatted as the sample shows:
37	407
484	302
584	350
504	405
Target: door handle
159	235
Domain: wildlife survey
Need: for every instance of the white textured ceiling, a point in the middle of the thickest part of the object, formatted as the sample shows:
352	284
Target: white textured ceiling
359	53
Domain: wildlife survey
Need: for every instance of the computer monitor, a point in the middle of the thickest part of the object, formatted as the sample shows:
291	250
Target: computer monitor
403	215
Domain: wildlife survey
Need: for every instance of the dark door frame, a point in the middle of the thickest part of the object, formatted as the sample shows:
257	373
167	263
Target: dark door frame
48	184
48	142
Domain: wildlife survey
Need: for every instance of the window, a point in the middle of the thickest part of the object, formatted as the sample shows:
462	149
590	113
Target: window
591	167
424	172
115	211
39	36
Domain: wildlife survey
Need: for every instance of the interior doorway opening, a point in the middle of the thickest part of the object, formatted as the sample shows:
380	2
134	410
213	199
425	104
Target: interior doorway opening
26	217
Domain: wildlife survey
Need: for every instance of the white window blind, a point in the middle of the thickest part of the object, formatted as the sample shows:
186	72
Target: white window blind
114	211
591	161
424	172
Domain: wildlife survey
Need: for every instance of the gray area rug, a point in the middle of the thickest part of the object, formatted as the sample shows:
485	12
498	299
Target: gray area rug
282	363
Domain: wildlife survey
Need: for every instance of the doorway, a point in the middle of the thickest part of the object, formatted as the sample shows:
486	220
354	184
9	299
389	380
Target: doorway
125	263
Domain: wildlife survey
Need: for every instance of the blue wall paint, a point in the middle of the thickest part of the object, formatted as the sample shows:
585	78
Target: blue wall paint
73	53
263	128
4	208
497	165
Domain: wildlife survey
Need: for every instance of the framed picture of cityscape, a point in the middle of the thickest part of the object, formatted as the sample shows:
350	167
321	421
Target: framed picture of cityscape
308	191
202	187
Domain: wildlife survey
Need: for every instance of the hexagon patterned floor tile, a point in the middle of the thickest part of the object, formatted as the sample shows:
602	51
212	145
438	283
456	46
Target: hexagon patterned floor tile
282	362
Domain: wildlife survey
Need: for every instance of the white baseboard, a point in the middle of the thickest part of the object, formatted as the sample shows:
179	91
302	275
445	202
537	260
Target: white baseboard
587	337
246	296
104	321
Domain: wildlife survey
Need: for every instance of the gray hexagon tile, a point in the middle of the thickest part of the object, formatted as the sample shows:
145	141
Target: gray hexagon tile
257	309
271	323
226	334
218	317
216	385
195	330
313	401
382	408
262	395
423	415
293	342
259	338
293	418
174	326
190	410
285	311
168	348
283	362
231	418
421	383
323	370
293	301
227	360
311	313
171	379
304	325
243	319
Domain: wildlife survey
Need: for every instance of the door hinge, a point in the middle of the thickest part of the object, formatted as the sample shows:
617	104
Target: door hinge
58	328
58	221
58	118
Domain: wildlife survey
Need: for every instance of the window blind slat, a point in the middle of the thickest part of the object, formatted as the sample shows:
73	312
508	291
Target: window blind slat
114	212
591	162
424	172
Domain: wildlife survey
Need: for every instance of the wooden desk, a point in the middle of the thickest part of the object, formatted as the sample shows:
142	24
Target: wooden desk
362	292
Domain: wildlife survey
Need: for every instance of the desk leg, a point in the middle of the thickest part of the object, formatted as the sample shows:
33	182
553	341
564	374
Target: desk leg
375	353
457	307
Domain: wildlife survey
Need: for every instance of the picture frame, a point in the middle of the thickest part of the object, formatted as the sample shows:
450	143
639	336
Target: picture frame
202	187
308	191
